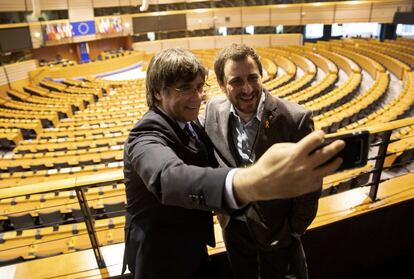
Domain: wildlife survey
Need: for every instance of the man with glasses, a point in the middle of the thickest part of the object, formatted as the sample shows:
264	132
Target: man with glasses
173	183
263	241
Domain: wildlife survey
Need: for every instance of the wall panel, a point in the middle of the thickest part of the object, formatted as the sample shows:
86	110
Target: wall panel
285	15
201	43
149	47
223	41
175	43
130	2
105	3
3	77
318	14
350	12
384	12
19	71
286	39
12	5
53	5
80	10
220	41
227	17
127	25
36	29
66	51
257	40
200	20
257	16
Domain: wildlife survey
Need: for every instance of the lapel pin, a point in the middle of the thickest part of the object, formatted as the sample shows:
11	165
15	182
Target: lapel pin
267	124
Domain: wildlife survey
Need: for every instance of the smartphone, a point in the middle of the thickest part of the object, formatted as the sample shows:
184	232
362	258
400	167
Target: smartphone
355	152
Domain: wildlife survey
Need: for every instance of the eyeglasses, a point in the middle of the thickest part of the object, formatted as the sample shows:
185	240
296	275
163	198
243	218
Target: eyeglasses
192	90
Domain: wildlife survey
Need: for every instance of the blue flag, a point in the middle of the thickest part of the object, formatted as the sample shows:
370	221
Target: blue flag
82	28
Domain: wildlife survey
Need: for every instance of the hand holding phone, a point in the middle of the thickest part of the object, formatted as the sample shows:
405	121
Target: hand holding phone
355	153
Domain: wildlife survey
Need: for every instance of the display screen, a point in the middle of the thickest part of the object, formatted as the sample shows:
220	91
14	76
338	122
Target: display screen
15	39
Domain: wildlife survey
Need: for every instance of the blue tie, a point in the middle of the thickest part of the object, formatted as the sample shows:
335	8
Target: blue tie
190	132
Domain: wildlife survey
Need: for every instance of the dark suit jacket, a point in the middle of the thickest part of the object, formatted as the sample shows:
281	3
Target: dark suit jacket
271	222
170	194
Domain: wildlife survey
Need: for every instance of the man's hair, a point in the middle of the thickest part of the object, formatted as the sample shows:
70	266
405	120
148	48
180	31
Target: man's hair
235	52
168	67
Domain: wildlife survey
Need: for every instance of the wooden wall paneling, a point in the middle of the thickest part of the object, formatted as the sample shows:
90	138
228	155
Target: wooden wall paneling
66	51
224	41
171	43
86	38
384	12
36	34
202	19
129	2
149	47
80	10
3	78
257	40
105	3
12	5
318	13
227	17
53	5
19	71
286	39
201	42
127	25
257	16
97	47
352	12
168	1
29	5
282	14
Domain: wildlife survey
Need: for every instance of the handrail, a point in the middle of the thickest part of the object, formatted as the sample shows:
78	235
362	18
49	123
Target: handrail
116	175
62	184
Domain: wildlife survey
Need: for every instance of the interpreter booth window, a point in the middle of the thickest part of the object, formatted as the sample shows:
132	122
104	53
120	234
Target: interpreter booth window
405	30
279	29
336	30
222	31
364	30
313	31
249	29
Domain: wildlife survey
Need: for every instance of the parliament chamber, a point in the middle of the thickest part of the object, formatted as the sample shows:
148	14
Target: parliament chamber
67	105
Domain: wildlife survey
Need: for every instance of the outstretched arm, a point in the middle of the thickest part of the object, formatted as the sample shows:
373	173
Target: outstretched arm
296	163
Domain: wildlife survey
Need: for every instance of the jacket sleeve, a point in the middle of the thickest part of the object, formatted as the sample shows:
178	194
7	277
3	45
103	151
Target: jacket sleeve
172	181
304	207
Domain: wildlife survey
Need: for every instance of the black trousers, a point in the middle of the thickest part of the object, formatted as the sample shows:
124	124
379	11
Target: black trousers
249	261
166	257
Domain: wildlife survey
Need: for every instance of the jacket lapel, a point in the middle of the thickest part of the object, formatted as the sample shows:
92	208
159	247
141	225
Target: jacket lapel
220	137
268	128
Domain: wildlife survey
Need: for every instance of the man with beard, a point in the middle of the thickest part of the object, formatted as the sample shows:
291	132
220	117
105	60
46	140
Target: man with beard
264	238
172	183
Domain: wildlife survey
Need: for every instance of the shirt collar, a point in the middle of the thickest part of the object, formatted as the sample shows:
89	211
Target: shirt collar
259	111
180	124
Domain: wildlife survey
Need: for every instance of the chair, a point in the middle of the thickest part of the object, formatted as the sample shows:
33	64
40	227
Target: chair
114	209
53	218
4	262
21	222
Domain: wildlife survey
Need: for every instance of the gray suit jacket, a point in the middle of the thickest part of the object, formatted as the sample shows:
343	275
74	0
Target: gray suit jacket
271	222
